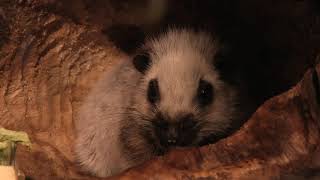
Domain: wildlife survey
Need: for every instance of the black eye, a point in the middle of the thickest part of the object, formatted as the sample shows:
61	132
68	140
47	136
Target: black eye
153	91
205	93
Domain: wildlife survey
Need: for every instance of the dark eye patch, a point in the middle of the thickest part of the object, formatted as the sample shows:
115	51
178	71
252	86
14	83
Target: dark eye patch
205	93
153	93
141	62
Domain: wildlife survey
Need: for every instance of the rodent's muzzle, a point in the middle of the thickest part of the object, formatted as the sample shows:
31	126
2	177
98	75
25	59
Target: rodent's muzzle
180	132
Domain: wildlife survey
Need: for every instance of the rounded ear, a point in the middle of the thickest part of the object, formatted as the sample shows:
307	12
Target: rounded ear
141	62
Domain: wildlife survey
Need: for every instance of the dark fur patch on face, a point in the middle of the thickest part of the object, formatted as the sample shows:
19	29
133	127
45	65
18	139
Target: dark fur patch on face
205	93
180	132
153	93
150	139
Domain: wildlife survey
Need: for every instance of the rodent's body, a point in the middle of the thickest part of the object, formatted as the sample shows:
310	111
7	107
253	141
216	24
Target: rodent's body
98	146
175	97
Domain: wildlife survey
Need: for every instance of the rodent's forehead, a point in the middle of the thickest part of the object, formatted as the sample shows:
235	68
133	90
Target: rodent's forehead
182	41
180	58
183	64
182	73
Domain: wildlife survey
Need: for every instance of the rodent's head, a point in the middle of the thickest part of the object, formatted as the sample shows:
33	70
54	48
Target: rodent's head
181	99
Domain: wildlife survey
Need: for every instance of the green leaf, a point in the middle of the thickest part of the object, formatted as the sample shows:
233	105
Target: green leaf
8	141
14	136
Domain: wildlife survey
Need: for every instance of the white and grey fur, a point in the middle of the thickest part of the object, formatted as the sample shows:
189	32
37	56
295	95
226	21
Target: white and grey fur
115	130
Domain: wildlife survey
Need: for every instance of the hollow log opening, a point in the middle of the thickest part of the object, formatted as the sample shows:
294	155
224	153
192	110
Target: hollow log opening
52	52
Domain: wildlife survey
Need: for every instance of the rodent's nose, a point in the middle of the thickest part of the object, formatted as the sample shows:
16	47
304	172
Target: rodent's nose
179	133
187	130
167	133
187	123
172	136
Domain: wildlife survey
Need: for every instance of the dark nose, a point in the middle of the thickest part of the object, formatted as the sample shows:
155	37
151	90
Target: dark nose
166	133
172	136
187	130
187	123
180	132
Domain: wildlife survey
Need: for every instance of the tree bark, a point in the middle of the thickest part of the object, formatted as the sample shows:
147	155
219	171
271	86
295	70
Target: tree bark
51	53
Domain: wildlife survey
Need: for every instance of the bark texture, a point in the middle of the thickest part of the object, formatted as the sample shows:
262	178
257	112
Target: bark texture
51	52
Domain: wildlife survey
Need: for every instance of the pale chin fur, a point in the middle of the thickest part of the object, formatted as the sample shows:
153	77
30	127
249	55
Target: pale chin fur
114	116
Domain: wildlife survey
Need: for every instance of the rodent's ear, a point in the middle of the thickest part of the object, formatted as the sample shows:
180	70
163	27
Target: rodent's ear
141	62
127	38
